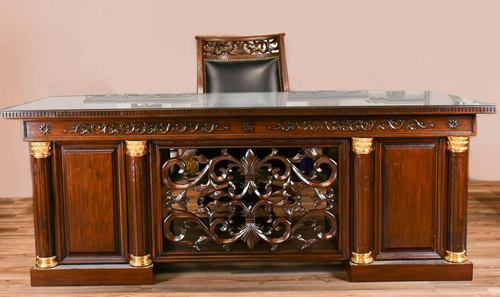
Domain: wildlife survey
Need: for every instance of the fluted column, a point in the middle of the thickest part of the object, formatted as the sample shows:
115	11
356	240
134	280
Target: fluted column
137	198
457	199
362	201
43	205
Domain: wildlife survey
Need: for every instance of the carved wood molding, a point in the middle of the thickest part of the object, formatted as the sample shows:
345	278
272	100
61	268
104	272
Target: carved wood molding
236	112
145	128
350	125
246	47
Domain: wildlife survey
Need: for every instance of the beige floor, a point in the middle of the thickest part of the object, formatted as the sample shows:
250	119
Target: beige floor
297	279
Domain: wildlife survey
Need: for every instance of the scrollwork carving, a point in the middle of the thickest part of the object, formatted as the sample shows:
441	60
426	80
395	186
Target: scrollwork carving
411	124
247	47
333	125
145	128
275	181
350	125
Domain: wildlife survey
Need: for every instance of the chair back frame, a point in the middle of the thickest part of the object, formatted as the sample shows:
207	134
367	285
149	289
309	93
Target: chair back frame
241	48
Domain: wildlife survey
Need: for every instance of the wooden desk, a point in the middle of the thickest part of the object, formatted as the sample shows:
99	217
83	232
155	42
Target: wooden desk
374	179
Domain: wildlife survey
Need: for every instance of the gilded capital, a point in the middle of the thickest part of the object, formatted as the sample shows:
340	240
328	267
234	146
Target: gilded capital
136	148
46	262
365	258
140	261
458	144
362	146
40	150
455	257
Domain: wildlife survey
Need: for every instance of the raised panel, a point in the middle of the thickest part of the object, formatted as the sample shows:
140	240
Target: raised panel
410	173
408	198
92	202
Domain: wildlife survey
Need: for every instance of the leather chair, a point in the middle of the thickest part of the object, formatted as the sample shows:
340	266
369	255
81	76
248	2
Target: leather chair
242	64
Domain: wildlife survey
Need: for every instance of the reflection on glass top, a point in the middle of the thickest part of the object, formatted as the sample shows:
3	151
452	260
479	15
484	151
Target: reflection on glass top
248	100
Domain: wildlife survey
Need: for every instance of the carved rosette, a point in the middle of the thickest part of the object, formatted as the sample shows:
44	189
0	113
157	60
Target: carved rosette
40	150
248	126
226	210
458	144
362	146
44	129
136	148
452	124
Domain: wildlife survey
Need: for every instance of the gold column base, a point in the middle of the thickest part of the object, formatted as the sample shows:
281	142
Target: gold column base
140	261
456	257
46	262
361	258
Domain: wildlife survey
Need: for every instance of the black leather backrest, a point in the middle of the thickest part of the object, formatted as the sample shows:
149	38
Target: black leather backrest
252	75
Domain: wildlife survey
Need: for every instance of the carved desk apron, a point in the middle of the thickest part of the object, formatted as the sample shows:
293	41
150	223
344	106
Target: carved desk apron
376	180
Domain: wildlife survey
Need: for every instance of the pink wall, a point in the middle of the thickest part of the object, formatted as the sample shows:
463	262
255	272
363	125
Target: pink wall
58	47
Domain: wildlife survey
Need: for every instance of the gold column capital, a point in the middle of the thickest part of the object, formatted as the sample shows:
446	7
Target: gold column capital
361	258
362	146
136	148
456	257
140	261
40	150
46	262
458	144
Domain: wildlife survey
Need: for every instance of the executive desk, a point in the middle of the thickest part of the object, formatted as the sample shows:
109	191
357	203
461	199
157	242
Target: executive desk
374	179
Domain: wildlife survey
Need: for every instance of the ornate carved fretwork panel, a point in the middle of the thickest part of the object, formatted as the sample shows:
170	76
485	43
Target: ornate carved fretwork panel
250	199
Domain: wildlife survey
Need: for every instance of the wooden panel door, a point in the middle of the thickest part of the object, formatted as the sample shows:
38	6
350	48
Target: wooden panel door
91	206
409	199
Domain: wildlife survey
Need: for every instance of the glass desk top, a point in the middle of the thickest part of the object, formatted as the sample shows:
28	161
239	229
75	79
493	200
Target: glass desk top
217	101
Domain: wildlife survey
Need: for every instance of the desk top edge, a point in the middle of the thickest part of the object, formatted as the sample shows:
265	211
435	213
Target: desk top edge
338	103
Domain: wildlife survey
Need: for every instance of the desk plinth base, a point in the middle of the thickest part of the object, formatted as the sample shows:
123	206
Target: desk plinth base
80	275
415	270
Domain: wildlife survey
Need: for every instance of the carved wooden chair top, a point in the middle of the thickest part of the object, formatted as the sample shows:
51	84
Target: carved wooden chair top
242	64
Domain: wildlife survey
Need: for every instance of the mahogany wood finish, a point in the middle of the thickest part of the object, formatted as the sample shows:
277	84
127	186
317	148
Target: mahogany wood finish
137	203
91	275
43	207
362	202
422	270
457	201
241	48
354	184
410	205
90	182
